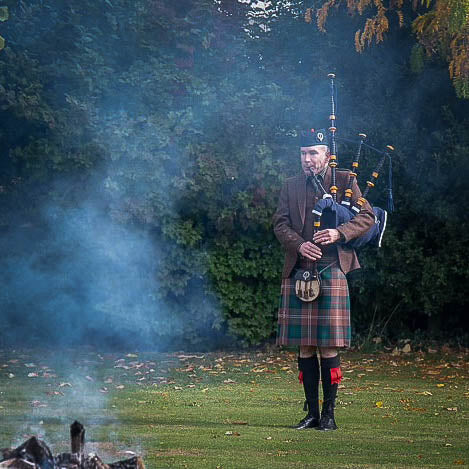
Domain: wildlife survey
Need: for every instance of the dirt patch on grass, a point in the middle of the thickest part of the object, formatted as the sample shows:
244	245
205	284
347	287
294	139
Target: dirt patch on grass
176	452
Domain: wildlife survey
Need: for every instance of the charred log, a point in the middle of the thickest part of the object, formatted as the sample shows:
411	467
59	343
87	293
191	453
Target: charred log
34	451
35	454
93	462
17	464
70	461
77	437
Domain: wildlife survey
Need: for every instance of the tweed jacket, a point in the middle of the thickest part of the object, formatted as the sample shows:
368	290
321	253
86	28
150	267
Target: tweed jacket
289	220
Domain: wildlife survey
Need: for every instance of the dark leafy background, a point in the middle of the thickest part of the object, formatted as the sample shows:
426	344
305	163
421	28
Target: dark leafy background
143	146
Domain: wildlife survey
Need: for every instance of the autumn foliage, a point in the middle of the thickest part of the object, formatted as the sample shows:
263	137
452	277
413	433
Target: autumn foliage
441	27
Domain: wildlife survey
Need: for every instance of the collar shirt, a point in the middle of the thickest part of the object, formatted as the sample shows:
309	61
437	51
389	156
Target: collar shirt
320	178
323	173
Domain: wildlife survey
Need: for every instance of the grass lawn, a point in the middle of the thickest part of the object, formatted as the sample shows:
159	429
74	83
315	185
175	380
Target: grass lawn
220	410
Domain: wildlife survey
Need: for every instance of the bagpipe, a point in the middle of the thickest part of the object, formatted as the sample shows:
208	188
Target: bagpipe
340	213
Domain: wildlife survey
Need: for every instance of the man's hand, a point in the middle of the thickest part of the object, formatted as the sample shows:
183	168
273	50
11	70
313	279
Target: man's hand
310	251
325	237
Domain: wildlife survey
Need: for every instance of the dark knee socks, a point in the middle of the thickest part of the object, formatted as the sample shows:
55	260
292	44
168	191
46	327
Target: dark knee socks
309	370
331	375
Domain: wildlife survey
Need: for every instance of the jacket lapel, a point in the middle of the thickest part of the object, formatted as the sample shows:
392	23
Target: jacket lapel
302	198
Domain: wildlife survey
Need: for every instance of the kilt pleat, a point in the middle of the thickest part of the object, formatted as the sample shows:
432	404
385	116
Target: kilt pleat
324	322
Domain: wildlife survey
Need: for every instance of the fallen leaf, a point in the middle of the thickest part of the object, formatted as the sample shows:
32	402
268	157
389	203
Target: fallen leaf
452	409
379	404
38	404
406	348
229	381
120	365
416	409
459	462
440	385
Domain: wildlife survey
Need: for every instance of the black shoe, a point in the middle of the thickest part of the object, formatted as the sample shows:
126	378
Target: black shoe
327	421
326	424
310	421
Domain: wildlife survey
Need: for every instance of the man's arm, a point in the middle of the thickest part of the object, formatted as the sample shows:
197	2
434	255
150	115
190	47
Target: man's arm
289	239
359	224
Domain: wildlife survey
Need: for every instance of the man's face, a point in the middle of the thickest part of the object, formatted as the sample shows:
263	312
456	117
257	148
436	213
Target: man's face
314	159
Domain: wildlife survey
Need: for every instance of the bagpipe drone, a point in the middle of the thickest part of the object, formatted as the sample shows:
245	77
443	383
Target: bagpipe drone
340	213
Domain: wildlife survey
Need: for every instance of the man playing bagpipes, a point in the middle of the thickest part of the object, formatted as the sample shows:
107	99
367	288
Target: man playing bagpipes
314	311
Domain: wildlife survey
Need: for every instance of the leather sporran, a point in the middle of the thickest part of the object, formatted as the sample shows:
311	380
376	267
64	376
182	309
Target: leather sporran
307	284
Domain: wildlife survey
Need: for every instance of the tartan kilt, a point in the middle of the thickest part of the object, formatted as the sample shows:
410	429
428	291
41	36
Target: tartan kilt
324	322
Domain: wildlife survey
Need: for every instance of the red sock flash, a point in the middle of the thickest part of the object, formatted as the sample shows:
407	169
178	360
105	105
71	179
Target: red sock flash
336	375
